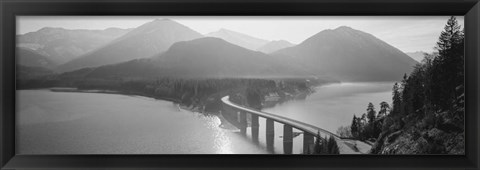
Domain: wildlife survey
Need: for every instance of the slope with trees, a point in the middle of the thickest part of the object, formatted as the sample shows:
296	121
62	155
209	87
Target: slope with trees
427	115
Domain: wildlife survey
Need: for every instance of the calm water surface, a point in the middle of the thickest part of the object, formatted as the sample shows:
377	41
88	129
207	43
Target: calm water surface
90	123
330	107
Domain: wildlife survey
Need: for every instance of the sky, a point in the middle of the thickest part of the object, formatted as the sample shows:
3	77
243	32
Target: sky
407	33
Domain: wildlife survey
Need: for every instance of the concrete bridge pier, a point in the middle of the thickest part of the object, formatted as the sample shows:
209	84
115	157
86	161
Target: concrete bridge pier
270	134
243	123
287	139
255	126
308	141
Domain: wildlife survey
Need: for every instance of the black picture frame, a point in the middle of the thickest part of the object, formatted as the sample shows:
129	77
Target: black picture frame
11	8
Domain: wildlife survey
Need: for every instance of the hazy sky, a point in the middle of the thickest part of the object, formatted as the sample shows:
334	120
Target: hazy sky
407	33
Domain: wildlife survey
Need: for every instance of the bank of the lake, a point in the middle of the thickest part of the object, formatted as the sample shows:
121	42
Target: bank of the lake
104	122
333	105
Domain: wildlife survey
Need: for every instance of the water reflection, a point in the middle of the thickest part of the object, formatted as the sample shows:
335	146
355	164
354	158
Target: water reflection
86	123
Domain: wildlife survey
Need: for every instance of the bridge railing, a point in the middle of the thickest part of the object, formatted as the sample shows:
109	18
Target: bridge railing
309	131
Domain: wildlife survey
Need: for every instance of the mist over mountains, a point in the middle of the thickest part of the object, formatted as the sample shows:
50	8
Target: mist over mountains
239	39
350	55
62	45
30	58
144	41
166	48
273	46
417	55
203	58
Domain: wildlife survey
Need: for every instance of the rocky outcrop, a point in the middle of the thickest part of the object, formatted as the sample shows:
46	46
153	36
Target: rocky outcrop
431	141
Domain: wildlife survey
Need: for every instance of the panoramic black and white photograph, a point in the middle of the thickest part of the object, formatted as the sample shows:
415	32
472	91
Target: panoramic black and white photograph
388	85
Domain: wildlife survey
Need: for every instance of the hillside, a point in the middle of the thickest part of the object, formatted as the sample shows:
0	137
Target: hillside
350	55
62	45
142	42
242	40
418	55
204	58
30	58
273	46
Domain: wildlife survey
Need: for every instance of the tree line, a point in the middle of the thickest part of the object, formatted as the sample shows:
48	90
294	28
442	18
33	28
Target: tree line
431	96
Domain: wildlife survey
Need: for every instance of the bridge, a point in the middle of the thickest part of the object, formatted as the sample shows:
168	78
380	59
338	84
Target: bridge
346	145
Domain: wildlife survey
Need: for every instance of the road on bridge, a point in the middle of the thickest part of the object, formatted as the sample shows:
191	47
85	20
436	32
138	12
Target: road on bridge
347	146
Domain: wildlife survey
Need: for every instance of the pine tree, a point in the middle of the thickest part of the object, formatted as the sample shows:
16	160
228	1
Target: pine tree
384	107
317	148
332	146
448	66
397	100
371	114
354	127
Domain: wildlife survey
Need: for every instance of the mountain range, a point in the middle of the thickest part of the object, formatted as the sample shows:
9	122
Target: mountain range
144	41
166	48
30	58
202	58
239	39
417	55
349	55
61	45
273	46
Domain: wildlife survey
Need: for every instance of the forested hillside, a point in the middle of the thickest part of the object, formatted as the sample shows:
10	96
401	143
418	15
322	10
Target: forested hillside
427	111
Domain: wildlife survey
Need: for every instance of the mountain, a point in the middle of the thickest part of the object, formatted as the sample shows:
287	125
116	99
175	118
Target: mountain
144	41
273	46
350	55
239	39
418	55
203	58
30	58
62	45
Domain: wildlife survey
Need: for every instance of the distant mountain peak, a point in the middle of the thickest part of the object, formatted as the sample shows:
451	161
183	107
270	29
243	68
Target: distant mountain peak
149	39
162	19
50	30
279	41
207	39
239	39
205	42
345	53
344	28
275	45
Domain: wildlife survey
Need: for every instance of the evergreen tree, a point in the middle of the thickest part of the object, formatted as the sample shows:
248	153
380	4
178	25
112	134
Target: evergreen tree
354	127
332	146
371	114
384	107
254	98
397	100
448	66
317	148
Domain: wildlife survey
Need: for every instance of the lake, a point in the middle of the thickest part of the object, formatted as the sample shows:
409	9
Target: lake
330	107
93	123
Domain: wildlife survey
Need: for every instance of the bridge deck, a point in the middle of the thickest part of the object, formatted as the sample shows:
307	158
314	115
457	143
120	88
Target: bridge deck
344	144
284	120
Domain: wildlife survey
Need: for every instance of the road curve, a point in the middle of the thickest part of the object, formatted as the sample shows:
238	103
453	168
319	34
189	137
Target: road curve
345	145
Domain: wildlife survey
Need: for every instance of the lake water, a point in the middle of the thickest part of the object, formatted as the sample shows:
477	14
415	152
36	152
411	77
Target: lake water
330	107
90	123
